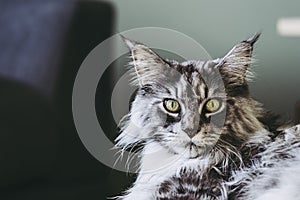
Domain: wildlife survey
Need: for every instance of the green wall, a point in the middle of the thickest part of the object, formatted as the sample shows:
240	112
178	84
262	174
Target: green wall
218	25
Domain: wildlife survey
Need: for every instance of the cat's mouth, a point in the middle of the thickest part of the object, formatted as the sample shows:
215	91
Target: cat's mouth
192	151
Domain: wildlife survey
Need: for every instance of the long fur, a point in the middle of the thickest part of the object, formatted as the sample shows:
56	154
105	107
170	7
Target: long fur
238	152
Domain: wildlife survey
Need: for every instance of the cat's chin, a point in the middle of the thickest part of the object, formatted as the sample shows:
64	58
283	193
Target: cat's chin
192	152
189	151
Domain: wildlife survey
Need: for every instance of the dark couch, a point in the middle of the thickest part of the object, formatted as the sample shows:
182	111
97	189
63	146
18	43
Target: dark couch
43	44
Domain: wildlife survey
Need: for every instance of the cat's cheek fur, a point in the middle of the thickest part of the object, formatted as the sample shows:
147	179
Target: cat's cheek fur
138	125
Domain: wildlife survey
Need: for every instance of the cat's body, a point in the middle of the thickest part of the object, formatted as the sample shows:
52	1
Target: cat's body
203	136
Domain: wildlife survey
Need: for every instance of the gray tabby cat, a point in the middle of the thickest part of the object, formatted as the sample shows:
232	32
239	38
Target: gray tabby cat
202	135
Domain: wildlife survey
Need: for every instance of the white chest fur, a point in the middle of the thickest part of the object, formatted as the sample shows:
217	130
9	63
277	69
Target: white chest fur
158	165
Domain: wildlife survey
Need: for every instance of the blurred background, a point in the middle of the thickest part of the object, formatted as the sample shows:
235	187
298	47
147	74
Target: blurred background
43	44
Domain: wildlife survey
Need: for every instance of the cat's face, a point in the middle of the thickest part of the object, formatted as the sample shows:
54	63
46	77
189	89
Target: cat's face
191	108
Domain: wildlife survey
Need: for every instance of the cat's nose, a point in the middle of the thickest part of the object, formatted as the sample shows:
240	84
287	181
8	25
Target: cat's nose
190	132
190	124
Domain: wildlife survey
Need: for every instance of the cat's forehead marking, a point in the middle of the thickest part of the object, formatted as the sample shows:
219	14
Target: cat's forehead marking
199	85
200	78
194	81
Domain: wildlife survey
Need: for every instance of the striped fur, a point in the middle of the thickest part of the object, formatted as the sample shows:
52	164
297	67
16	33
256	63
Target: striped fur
195	154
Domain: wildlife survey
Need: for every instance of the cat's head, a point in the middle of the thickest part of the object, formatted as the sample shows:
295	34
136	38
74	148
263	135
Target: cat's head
192	108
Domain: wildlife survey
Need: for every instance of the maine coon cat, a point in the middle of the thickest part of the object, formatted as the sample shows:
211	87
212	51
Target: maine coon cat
202	135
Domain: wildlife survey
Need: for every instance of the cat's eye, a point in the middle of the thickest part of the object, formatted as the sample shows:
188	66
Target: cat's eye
213	105
171	105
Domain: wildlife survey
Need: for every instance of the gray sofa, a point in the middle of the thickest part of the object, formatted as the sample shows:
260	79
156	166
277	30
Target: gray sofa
43	44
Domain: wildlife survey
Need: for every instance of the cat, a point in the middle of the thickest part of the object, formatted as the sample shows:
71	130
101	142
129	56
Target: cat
201	134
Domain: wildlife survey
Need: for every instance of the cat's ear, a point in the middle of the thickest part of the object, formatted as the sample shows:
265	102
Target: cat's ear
234	65
147	64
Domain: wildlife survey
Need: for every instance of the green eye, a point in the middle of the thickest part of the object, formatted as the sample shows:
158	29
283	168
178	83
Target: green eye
212	105
171	105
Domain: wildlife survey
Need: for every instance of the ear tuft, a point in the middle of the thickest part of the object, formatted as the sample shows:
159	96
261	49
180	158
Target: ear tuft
130	43
234	65
253	39
148	66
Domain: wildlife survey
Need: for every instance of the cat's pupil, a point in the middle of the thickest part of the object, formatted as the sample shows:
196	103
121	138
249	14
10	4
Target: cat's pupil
212	104
173	104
